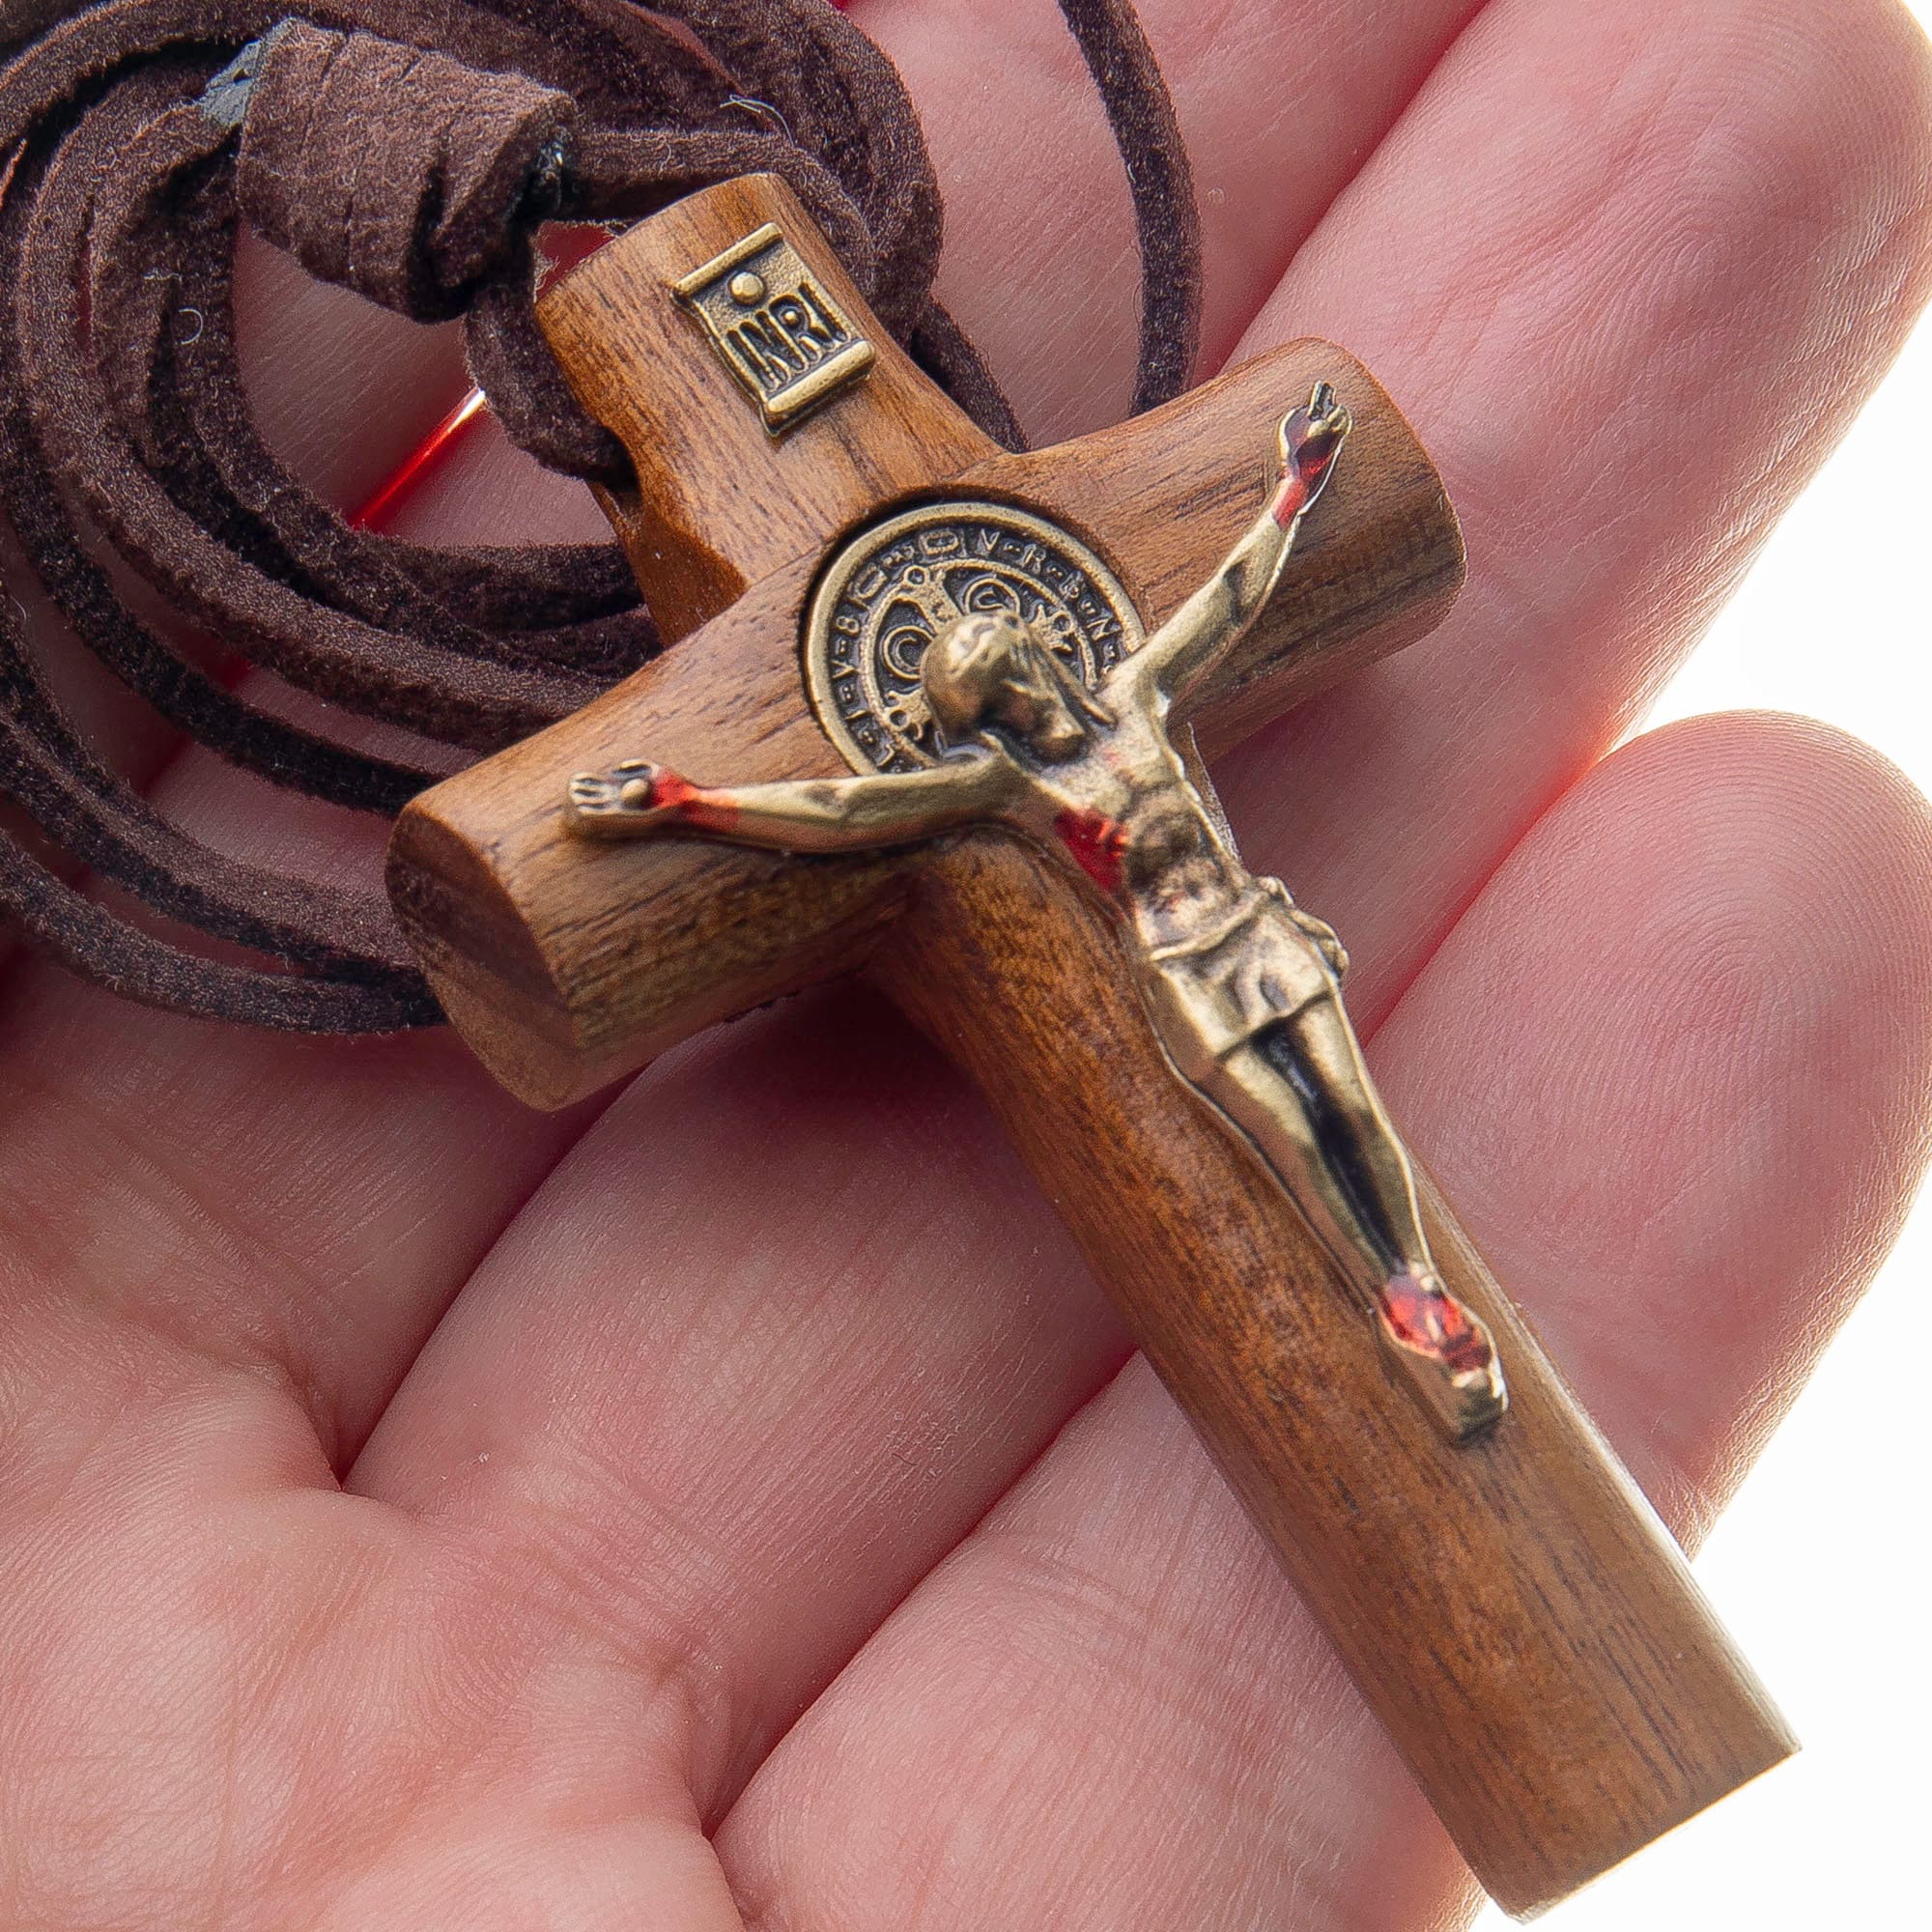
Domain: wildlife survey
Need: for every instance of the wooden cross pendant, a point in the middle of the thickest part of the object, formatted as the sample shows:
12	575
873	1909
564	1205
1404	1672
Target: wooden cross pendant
931	716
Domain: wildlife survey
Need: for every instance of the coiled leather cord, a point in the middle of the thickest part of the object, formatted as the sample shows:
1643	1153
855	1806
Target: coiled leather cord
410	150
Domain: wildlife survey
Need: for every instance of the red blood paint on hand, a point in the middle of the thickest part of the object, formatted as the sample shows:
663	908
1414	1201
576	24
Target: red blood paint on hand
670	792
694	804
1314	458
1310	453
1097	843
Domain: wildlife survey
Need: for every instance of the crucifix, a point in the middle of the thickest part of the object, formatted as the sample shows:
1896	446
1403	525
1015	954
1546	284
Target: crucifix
937	714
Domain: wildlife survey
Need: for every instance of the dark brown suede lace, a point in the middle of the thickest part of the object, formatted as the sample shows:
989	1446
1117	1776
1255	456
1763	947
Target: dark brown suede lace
410	150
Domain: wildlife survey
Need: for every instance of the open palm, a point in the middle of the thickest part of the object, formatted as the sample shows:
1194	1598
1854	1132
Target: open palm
739	1507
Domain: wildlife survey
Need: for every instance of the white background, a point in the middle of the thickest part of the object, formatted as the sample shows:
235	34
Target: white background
1821	1565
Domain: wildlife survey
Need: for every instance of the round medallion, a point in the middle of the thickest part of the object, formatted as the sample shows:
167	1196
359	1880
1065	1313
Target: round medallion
893	588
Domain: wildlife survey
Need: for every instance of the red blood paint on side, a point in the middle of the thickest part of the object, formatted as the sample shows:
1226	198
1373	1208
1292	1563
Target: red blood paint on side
1098	846
1428	1320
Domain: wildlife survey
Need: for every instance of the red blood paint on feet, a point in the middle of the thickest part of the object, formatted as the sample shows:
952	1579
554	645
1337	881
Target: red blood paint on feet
1098	846
1424	1318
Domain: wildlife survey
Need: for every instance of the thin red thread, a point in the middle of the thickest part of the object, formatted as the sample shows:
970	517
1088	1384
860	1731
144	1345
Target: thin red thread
565	248
419	462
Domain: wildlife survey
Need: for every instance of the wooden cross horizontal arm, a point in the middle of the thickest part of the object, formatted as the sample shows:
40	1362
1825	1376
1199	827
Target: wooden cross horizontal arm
1514	1612
534	944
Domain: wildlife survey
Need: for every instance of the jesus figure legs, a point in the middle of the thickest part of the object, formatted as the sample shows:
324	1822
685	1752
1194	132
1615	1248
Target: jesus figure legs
1249	1014
1340	1162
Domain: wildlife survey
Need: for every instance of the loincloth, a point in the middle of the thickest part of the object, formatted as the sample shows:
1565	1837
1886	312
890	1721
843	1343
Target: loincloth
1253	968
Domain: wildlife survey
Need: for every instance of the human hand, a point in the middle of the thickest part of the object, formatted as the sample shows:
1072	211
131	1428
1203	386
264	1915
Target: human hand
739	1507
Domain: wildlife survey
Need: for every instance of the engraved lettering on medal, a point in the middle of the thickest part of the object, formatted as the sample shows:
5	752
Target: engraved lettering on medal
775	328
893	588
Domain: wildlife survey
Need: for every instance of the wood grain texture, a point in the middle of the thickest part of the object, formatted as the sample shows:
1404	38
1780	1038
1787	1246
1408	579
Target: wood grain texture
1513	1611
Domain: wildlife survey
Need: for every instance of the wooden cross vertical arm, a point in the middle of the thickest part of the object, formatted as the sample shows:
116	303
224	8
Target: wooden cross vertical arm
1513	1611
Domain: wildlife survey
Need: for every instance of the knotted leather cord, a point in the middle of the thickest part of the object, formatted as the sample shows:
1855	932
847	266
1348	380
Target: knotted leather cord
409	149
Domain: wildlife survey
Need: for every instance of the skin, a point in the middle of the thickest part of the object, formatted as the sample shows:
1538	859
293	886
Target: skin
1096	781
738	1509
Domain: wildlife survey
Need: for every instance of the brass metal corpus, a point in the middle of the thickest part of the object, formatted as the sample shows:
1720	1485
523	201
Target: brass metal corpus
976	666
775	326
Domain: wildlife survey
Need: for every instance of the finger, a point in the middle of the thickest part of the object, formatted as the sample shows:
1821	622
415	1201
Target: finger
1107	1694
289	1217
1631	270
1274	132
746	1450
231	1196
1742	1231
1014	122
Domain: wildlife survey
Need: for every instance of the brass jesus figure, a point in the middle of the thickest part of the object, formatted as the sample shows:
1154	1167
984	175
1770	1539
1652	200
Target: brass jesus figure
1243	986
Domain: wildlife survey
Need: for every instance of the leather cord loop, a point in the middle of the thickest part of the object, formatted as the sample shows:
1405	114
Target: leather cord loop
398	173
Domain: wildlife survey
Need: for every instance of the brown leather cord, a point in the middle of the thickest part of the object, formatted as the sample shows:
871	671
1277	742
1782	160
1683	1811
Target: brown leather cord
409	149
1140	111
409	207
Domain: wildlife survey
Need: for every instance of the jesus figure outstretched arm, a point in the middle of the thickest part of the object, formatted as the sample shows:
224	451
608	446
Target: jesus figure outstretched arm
1214	620
639	800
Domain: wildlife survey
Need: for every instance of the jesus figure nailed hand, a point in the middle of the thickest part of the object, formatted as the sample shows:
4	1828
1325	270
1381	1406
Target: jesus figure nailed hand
1243	986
